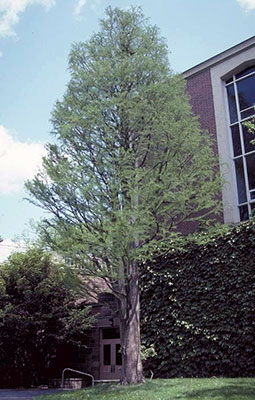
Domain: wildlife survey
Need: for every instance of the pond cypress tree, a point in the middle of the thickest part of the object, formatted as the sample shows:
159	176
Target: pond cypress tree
129	163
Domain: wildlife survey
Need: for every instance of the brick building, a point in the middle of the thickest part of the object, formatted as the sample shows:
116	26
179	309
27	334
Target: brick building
222	94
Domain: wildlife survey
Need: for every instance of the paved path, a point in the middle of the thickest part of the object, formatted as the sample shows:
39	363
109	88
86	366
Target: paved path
28	394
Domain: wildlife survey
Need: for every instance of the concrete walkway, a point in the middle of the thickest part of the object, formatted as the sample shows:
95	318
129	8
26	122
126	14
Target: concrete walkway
26	394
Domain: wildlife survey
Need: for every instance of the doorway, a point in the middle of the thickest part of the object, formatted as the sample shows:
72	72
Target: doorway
110	354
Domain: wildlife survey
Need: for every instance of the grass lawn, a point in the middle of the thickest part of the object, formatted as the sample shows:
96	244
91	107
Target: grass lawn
168	389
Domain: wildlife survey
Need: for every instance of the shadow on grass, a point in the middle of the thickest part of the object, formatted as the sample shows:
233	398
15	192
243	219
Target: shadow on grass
141	391
245	391
149	386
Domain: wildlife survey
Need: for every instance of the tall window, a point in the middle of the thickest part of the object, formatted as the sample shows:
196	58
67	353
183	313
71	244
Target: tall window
241	101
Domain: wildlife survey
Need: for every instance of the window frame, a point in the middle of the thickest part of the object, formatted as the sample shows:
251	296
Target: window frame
250	203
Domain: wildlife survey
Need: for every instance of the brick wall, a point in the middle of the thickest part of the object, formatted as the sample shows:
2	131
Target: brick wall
199	87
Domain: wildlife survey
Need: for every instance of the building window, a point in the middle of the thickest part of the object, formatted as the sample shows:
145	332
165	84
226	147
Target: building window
241	103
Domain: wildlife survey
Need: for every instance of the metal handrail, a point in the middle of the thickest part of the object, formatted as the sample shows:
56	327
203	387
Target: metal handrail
78	372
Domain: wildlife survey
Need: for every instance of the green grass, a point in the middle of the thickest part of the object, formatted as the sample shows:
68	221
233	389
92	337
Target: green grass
167	389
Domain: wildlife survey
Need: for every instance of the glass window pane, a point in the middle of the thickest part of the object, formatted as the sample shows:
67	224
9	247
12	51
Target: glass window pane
247	113
247	137
246	71
244	215
111	333
232	103
252	195
107	354
246	92
118	355
236	140
240	180
253	209
230	80
250	160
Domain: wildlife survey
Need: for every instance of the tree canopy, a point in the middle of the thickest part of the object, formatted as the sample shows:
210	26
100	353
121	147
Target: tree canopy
38	312
129	163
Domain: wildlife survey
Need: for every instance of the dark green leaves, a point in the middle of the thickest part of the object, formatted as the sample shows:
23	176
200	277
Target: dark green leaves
38	314
198	306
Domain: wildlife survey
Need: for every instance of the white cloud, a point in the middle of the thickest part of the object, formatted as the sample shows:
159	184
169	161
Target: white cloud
7	247
80	4
10	11
18	161
247	4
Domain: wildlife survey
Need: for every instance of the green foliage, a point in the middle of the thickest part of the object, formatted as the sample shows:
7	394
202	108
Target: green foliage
37	313
130	162
147	352
198	306
250	124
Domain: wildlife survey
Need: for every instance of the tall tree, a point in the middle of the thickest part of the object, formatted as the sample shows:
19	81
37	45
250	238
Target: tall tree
128	166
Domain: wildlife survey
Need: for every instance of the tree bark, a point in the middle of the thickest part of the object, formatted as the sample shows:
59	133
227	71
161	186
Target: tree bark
132	370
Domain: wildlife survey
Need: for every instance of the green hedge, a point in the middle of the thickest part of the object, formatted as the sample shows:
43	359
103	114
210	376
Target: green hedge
198	307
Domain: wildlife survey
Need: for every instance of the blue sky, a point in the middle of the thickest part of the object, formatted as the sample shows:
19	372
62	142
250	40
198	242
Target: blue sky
35	39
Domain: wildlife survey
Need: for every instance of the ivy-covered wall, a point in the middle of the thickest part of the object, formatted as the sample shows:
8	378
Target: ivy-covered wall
198	307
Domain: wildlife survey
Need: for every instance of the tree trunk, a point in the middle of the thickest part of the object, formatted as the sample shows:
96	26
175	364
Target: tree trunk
132	370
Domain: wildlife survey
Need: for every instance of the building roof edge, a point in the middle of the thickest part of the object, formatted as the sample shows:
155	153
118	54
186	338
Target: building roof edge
246	44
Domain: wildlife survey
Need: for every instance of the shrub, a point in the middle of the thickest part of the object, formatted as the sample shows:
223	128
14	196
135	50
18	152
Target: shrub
198	306
38	314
